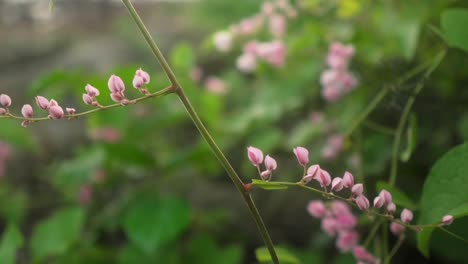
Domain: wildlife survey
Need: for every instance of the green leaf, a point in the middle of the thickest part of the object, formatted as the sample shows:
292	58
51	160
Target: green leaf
411	136
268	185
203	249
12	240
453	23
151	222
284	256
444	192
56	234
399	198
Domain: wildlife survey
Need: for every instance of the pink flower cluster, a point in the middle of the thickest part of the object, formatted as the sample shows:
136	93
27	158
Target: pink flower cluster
337	80
274	14
256	158
333	147
5	153
55	111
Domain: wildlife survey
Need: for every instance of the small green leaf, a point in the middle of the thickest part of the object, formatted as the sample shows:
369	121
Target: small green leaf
411	137
268	185
56	234
284	256
453	23
399	198
150	222
444	192
12	240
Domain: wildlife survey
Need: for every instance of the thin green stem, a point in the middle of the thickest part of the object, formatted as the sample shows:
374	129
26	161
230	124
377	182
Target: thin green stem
159	93
394	249
204	133
454	235
372	233
404	117
379	128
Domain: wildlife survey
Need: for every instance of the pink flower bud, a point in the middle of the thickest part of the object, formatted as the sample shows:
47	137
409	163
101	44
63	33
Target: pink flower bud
361	253
340	208
216	85
329	226
378	202
88	99
316	209
91	90
52	103
447	220
337	184
2	111
406	216
70	111
118	97
222	41
27	111
116	85
386	197
323	178
5	100
396	228
265	175
347	240
56	112
348	180
270	163
346	221
357	189
362	202
302	155
143	75
42	102
277	24
268	8
391	208
138	82
247	63
312	173
255	155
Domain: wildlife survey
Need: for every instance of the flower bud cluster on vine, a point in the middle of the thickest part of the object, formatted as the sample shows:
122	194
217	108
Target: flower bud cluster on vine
55	111
337	219
274	16
337	80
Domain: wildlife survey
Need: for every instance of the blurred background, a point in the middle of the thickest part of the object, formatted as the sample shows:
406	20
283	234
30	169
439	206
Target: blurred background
137	184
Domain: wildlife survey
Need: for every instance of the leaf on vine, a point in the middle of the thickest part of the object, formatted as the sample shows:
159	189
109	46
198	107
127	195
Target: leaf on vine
453	22
268	185
444	193
411	137
284	256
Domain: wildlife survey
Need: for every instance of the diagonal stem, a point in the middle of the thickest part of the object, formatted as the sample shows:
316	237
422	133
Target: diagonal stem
204	132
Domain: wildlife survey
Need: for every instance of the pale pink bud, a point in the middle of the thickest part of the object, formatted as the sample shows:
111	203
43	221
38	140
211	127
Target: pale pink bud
116	85
118	97
323	178
340	208
272	52
222	41
216	85
91	90
361	253
138	82
268	8
329	226
362	202
70	111
386	197
56	112
331	94
396	228
312	173
42	102
246	63
255	155
144	75
27	111
302	155
270	163
348	180
337	184
357	189
347	240
2	111
265	175
346	221
378	202
447	220
316	209
88	99
406	216
53	103
277	25
5	100
391	208
196	74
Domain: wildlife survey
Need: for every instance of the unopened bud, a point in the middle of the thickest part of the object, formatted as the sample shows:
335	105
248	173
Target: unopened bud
27	111
406	216
116	85
70	111
255	155
143	75
362	202
348	180
447	220
56	112
5	100
302	155
42	102
357	189
91	90
337	184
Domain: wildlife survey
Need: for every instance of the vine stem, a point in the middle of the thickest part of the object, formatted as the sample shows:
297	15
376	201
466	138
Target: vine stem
406	111
177	88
